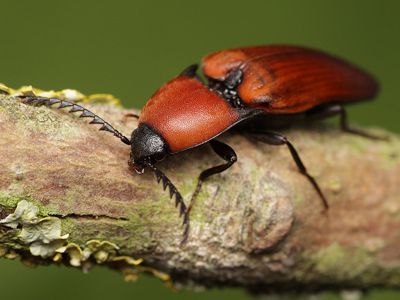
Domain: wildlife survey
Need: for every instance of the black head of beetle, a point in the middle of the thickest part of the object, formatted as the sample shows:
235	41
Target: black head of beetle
148	147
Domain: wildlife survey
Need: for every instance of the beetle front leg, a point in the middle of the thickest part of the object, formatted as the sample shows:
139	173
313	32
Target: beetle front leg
129	115
225	152
277	139
333	110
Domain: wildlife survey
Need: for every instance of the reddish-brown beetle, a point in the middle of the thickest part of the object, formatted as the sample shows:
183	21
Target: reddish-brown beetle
268	86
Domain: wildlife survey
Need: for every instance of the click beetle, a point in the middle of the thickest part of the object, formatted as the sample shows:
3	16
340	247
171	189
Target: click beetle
251	89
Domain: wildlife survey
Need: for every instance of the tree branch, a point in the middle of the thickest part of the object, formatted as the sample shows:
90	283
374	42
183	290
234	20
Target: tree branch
257	225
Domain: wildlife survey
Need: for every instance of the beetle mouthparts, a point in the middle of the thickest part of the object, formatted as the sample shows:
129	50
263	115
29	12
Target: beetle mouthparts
138	168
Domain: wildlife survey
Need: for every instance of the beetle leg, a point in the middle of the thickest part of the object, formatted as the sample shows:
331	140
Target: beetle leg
333	110
129	115
225	152
190	71
277	139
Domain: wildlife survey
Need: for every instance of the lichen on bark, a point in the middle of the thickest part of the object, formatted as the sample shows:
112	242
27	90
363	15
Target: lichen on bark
257	225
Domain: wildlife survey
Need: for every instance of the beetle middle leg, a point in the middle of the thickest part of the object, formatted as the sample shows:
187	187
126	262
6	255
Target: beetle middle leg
333	110
191	72
273	138
225	152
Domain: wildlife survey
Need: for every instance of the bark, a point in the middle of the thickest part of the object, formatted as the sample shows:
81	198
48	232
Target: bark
258	225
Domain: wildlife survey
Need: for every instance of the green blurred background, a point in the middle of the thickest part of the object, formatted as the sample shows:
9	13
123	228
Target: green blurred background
130	48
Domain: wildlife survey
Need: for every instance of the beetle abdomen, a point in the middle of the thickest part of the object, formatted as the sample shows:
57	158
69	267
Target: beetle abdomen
186	113
290	79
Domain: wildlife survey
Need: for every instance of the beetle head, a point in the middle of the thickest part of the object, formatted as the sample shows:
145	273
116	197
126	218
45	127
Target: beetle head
148	147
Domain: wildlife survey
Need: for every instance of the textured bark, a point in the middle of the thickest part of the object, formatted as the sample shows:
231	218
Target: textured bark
257	225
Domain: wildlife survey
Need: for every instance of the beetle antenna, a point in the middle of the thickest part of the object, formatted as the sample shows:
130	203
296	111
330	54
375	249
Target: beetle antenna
85	113
173	191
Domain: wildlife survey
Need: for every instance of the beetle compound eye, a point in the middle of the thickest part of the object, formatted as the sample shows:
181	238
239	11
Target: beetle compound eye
159	156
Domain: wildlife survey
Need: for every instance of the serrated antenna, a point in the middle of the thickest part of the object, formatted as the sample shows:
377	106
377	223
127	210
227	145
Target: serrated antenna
173	191
85	113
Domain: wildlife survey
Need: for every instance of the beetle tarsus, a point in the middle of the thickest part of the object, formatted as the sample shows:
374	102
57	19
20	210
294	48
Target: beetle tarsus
327	111
35	100
185	234
273	138
344	125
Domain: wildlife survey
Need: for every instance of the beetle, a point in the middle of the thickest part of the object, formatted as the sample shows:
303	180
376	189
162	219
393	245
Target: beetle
252	89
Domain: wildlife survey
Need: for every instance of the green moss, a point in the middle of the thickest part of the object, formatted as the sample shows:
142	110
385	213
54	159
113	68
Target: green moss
357	145
40	119
387	150
390	154
72	197
68	225
11	200
337	261
335	185
155	213
298	198
42	237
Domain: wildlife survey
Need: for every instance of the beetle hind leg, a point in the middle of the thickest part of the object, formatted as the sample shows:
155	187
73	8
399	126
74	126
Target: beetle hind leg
277	139
333	110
